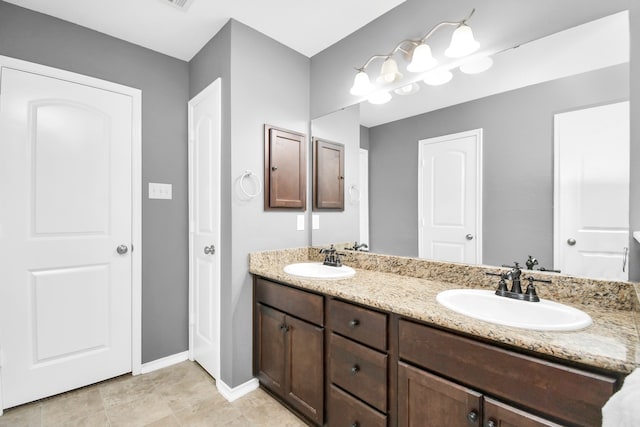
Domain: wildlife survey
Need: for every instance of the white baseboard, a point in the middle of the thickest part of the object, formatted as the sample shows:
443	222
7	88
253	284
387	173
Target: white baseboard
154	365
234	393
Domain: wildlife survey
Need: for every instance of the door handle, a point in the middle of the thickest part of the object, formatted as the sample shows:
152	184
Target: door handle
209	250
122	249
571	241
469	236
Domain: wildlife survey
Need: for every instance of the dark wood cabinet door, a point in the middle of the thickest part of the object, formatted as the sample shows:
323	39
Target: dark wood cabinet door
426	400
328	175
271	341
498	414
285	169
305	368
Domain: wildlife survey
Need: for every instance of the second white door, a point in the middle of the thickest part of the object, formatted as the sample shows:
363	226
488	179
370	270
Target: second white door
449	197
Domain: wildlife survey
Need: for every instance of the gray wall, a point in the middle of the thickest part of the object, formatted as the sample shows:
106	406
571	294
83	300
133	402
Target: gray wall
517	165
263	82
163	80
342	127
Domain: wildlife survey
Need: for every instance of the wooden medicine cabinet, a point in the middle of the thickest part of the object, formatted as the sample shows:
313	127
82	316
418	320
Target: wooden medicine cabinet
285	177
328	175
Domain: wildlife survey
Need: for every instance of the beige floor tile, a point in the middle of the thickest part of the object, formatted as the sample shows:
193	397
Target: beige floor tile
208	414
189	392
141	412
71	407
29	415
126	389
98	419
169	421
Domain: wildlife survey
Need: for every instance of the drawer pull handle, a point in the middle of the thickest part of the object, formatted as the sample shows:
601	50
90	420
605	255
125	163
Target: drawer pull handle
472	416
284	328
355	424
492	423
355	369
353	323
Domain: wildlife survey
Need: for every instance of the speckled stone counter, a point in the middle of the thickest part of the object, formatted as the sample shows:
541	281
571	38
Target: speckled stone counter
408	287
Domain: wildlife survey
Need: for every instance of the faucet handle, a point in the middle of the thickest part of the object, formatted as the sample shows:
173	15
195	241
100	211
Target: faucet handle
531	293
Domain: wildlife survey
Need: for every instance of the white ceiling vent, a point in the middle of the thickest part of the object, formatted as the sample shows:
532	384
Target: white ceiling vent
179	4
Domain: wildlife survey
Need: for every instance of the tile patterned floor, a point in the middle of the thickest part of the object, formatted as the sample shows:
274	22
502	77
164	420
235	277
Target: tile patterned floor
180	395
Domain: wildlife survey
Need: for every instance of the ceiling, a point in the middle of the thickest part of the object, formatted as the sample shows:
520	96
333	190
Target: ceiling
307	26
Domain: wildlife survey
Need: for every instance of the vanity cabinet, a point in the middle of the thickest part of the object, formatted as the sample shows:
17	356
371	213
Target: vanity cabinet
550	390
289	346
357	364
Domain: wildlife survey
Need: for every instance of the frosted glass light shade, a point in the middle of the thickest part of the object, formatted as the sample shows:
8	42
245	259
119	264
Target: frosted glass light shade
361	84
462	43
438	77
409	89
477	65
421	59
389	72
378	98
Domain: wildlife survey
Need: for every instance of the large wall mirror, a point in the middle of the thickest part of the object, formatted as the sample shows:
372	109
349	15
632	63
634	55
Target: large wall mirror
514	104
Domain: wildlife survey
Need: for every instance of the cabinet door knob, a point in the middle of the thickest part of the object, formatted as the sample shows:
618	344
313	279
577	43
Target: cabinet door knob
353	323
355	424
472	416
274	168
284	328
492	423
355	369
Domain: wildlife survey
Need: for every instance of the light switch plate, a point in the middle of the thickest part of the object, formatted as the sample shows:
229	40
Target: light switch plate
160	191
315	219
300	225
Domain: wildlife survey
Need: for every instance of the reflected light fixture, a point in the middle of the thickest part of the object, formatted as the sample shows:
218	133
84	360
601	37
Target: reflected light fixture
477	65
380	97
462	44
409	89
437	77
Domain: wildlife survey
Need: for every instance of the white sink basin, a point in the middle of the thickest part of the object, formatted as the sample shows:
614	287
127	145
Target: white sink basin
317	270
538	316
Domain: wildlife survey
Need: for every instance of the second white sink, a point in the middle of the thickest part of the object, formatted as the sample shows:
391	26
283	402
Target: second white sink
539	316
317	270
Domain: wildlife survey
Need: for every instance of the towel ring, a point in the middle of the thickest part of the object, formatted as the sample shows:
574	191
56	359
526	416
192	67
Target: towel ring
249	174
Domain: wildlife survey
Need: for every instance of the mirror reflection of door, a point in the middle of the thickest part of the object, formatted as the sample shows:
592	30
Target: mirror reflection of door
591	198
449	193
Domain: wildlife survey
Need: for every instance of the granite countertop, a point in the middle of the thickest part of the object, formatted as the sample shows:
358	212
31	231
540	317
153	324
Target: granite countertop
610	343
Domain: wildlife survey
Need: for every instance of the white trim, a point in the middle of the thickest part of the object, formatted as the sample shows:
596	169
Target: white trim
232	394
557	256
136	187
216	86
478	134
164	362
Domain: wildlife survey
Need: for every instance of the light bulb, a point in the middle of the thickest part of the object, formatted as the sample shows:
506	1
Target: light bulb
421	59
361	84
462	43
381	97
437	77
409	89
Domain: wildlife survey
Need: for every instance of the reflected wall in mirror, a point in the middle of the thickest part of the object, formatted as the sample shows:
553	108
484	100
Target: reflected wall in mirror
340	226
517	117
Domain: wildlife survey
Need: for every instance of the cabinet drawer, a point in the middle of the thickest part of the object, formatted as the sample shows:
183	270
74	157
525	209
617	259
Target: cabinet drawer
359	370
298	303
569	394
360	324
345	410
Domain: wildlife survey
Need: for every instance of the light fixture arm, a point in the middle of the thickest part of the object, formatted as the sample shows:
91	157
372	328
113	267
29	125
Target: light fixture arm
415	42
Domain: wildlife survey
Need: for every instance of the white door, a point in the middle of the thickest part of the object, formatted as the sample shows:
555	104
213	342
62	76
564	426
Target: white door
65	181
449	197
364	196
204	235
591	215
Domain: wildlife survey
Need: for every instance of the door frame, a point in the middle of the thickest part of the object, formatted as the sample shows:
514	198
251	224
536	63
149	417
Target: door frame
478	134
216	85
136	188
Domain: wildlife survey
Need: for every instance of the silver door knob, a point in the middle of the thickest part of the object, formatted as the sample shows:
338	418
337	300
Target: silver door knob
122	249
469	236
571	241
209	250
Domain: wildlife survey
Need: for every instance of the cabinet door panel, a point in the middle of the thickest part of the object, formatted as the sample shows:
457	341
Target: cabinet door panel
425	400
503	415
285	169
328	175
271	347
345	410
305	368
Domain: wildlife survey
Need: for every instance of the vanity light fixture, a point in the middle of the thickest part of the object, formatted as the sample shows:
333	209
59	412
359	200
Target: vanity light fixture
476	66
437	77
380	97
409	89
462	44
